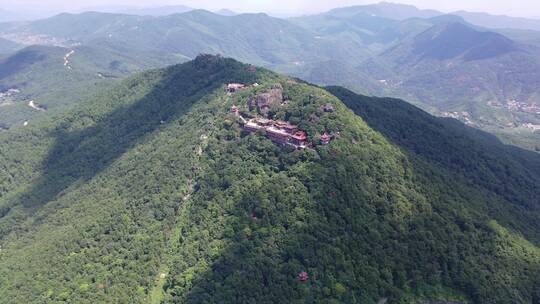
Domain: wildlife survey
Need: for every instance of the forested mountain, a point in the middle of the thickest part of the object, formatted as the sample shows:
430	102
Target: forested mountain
499	22
129	43
398	11
439	62
394	11
39	80
443	64
7	46
152	192
155	11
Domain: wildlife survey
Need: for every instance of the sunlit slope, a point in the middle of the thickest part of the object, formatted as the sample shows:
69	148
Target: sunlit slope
151	191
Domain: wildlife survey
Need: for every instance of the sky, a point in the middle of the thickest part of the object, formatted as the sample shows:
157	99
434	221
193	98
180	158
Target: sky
522	8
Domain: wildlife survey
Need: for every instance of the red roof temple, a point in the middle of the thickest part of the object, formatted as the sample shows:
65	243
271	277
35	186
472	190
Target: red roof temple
325	139
303	276
281	132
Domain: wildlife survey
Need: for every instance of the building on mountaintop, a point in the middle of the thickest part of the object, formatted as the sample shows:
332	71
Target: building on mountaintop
234	110
278	135
328	107
299	138
280	132
325	139
303	276
235	87
286	126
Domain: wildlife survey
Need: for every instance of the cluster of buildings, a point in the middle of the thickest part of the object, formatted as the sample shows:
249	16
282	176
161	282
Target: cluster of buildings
517	106
7	97
464	117
235	87
531	126
281	132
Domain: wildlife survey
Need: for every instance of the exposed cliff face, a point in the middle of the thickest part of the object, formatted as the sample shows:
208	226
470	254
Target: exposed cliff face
264	101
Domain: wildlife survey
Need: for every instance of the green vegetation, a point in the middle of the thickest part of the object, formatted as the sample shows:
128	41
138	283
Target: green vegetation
438	62
155	176
41	73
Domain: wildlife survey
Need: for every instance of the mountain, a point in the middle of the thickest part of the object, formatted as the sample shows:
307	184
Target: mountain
444	64
387	10
37	81
400	12
226	12
277	42
152	192
155	11
454	40
499	22
455	68
7	46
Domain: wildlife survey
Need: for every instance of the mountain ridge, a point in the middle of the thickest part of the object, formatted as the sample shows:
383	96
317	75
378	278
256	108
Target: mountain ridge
477	85
154	186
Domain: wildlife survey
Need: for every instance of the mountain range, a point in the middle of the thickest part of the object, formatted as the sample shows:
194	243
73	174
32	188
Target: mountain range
137	166
155	191
442	63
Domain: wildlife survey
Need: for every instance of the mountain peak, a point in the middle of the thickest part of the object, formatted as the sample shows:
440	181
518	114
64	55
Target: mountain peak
448	40
395	11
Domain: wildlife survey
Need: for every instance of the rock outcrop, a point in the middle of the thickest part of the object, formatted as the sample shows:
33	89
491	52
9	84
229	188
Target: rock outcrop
264	101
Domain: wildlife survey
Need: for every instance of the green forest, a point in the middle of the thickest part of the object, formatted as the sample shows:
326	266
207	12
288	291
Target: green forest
151	192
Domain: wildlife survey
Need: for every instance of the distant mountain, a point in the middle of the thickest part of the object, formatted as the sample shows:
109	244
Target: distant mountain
482	78
59	77
144	42
443	63
226	12
277	42
155	11
452	40
401	12
387	10
499	22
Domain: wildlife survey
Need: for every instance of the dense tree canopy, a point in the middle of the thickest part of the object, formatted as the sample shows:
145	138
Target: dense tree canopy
153	192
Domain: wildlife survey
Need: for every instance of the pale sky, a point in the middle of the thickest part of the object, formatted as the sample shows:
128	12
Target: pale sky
524	8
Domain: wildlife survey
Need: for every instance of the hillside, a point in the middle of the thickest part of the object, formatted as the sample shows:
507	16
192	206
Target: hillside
153	192
256	38
59	77
467	74
7	46
499	22
439	62
394	11
400	12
